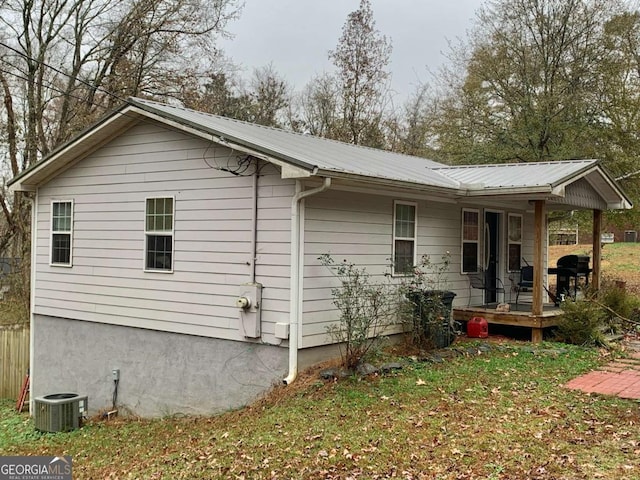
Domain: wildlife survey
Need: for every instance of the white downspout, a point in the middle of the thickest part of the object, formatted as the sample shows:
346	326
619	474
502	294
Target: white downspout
32	295
297	250
254	224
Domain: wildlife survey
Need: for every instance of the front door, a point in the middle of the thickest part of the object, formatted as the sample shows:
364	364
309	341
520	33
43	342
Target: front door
491	254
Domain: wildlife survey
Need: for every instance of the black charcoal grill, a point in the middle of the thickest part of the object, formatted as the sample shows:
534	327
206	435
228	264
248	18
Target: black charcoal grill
572	271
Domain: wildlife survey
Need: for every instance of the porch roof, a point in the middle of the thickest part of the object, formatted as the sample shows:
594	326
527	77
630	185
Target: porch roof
566	184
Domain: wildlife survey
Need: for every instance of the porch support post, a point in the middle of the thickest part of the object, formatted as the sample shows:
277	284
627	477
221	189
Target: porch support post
538	265
597	249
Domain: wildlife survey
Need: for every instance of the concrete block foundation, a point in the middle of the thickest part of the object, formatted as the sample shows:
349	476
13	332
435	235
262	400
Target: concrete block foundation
161	373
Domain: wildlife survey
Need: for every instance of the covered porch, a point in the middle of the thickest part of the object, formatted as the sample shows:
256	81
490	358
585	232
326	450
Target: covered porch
539	313
587	188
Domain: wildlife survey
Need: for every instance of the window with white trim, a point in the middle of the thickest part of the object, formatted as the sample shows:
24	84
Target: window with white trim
404	237
61	232
158	232
470	240
514	241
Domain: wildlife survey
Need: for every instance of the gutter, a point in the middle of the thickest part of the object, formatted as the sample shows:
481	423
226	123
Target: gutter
297	253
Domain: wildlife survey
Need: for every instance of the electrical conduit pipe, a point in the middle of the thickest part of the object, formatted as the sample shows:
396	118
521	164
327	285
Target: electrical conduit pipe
295	314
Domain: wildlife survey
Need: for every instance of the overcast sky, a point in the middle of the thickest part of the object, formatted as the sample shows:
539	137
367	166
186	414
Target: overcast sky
296	35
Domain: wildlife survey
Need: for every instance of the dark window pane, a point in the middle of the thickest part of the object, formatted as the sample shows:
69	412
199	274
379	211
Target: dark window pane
159	252
61	248
514	256
470	225
403	259
469	257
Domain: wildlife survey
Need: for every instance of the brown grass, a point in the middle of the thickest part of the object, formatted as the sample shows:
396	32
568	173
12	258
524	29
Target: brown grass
620	261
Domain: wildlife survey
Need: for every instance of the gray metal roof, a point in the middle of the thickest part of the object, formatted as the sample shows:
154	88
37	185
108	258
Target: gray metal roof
306	151
323	157
517	175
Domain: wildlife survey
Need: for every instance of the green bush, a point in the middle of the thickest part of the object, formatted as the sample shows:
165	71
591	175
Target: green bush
367	307
610	309
620	306
581	323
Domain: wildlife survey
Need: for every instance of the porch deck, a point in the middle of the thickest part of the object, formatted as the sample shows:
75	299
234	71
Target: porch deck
518	317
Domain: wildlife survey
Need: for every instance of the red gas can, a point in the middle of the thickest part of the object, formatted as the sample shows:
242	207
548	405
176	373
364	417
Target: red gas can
477	327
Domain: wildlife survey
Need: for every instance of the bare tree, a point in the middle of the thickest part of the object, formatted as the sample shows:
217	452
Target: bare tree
317	107
270	96
524	86
362	57
414	133
264	101
64	62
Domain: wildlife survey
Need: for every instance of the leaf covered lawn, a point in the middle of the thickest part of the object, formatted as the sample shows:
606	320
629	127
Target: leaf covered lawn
500	414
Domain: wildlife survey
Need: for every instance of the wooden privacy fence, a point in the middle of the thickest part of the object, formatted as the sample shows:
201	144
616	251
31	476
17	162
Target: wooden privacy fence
14	359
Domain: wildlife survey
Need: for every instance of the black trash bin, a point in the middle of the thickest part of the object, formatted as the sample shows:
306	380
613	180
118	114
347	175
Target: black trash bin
432	317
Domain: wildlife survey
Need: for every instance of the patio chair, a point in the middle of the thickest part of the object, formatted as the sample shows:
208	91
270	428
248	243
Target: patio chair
526	281
482	281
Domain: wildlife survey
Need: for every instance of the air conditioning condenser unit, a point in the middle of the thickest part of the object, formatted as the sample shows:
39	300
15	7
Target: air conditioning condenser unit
59	412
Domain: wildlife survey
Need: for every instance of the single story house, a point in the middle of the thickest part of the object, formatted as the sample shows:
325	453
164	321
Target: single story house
181	248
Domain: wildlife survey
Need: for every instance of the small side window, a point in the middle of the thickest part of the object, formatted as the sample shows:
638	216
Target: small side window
470	240
61	232
159	215
404	237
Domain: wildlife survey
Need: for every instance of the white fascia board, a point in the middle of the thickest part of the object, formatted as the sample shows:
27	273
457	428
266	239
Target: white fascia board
502	191
393	192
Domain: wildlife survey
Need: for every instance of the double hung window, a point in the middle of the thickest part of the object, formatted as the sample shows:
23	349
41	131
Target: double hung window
404	237
61	232
470	240
515	241
159	218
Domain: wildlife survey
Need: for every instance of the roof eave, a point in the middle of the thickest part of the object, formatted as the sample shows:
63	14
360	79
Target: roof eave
545	190
219	137
623	204
73	150
121	119
290	168
388	182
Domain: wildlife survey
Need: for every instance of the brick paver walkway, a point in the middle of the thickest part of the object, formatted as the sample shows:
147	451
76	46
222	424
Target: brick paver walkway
620	378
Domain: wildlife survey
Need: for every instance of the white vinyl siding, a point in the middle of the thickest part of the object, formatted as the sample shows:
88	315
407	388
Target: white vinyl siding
359	228
61	252
212	237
